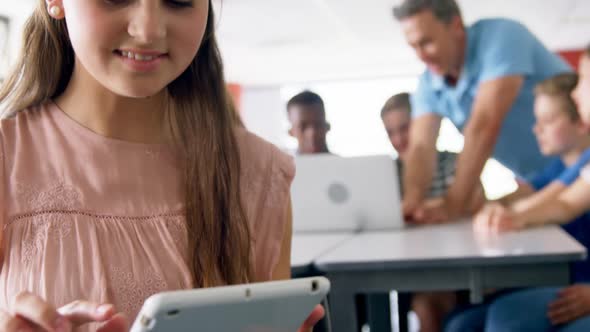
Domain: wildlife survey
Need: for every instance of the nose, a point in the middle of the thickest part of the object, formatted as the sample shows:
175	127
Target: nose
396	140
147	22
421	54
310	132
574	94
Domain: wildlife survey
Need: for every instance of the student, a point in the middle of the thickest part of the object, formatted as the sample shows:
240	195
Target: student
480	77
307	116
430	307
563	200
560	132
397	120
124	171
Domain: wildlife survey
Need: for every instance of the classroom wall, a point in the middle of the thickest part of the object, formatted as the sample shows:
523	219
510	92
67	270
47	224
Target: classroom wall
572	56
235	91
17	12
263	112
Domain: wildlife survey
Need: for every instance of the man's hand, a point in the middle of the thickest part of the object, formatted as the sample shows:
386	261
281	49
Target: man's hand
572	303
409	208
437	211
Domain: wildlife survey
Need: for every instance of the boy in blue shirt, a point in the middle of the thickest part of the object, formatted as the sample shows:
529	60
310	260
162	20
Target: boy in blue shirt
560	131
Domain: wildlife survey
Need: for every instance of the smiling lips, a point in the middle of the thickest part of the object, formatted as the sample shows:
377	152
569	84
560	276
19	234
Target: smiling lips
141	60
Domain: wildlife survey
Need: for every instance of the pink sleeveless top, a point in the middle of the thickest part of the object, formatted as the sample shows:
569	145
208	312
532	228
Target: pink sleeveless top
89	217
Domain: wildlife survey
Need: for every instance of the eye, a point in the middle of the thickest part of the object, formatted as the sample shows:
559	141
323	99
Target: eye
116	2
170	3
179	3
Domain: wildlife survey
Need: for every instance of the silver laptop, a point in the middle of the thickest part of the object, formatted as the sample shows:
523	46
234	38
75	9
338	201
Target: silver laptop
332	193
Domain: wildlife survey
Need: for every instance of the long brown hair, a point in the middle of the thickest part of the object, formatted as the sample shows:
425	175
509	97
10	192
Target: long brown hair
204	121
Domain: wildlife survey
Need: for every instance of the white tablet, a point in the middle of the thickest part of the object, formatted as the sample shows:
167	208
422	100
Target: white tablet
276	306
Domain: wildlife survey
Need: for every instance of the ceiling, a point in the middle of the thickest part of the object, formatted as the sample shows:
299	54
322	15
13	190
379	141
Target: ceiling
268	42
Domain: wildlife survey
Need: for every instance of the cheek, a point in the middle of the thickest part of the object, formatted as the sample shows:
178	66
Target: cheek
583	94
431	50
93	35
405	136
582	97
89	25
562	135
187	44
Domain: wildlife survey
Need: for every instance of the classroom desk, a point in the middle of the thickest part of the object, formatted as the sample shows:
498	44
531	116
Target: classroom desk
306	247
443	257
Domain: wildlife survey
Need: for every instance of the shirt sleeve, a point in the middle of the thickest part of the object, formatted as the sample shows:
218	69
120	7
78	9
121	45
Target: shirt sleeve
267	174
423	101
507	48
571	174
550	173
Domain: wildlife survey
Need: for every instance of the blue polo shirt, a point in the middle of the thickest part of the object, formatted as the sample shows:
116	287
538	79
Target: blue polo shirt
496	48
579	228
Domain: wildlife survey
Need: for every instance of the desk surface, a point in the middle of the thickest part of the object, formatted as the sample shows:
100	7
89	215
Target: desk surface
451	244
305	248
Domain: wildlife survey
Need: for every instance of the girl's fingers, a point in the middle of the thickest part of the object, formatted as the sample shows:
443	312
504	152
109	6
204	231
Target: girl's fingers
316	315
9	322
35	310
82	312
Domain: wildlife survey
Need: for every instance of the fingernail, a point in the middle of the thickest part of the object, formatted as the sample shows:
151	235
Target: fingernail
103	309
61	324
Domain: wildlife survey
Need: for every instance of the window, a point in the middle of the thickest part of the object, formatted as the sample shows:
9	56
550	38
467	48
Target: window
4	38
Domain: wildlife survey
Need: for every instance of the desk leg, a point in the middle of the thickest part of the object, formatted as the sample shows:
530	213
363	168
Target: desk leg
475	286
404	305
379	312
343	311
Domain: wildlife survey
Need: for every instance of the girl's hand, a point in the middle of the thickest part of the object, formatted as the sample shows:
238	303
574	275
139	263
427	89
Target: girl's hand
495	218
31	313
572	303
316	315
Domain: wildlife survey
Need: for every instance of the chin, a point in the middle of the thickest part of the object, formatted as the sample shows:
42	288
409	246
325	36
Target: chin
435	69
138	91
550	152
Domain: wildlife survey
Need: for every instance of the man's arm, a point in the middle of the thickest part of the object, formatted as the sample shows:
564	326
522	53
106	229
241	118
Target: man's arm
493	101
477	199
421	160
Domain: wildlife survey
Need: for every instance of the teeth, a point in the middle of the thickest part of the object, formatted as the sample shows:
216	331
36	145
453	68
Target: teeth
137	57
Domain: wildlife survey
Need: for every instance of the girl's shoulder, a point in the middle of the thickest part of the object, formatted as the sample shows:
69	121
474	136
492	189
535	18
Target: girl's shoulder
257	154
30	120
266	176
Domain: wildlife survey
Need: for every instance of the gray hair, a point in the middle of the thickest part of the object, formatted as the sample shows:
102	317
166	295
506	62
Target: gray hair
444	10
